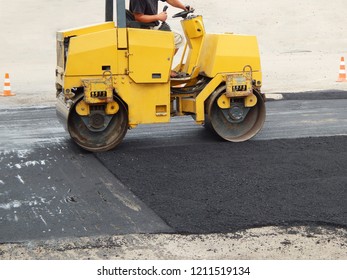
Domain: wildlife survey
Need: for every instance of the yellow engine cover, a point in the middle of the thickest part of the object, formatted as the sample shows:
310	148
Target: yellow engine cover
229	53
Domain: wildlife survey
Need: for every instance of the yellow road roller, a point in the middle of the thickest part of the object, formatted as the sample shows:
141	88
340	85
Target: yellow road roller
111	77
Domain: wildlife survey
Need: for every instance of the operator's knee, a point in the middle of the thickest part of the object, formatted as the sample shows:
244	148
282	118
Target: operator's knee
179	40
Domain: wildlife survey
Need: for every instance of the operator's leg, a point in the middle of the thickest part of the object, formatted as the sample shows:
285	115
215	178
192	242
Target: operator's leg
179	41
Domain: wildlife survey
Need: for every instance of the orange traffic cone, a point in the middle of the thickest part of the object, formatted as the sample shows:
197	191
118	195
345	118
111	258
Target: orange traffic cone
7	87
342	72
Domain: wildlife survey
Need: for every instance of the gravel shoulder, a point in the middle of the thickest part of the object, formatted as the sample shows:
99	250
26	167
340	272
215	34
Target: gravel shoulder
268	243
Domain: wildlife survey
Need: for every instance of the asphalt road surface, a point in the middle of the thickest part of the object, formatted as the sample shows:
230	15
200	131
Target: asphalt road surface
209	187
174	177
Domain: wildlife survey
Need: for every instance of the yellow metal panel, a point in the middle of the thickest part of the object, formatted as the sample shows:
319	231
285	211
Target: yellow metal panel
194	31
150	55
112	108
88	53
82	108
84	30
204	94
147	103
188	105
223	102
250	100
193	28
73	81
229	53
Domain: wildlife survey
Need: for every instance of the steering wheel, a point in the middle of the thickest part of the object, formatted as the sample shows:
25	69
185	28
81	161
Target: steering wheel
183	14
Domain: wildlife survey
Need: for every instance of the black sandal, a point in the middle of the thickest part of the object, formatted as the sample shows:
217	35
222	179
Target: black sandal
178	75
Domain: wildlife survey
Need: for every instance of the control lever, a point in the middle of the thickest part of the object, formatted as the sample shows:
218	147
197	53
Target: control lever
164	26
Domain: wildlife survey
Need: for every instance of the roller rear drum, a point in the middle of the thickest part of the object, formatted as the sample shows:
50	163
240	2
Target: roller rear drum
237	123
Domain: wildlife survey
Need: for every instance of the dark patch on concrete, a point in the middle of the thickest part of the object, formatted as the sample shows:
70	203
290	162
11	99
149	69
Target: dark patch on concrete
208	187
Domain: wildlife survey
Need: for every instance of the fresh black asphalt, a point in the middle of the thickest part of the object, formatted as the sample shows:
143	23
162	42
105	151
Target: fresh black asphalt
215	186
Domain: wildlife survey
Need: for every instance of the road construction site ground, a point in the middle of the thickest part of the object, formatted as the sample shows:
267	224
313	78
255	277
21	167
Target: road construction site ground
289	204
300	42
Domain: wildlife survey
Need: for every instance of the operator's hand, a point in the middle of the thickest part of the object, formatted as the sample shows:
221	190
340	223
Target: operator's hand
162	16
189	8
